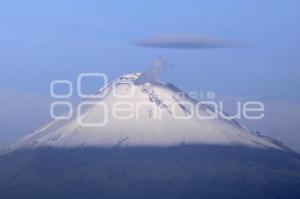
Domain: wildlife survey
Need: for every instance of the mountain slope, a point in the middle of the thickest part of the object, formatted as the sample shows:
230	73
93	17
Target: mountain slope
146	156
186	171
158	114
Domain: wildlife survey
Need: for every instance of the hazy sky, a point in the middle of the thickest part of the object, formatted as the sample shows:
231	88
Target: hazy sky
45	40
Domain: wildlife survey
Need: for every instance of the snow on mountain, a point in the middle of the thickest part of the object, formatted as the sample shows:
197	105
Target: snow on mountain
152	109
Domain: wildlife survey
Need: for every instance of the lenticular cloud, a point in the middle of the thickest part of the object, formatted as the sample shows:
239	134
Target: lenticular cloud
184	41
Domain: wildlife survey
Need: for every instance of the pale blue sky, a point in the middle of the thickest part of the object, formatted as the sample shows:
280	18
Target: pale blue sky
45	40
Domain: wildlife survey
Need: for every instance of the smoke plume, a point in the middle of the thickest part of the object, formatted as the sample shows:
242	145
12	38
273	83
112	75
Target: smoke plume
152	74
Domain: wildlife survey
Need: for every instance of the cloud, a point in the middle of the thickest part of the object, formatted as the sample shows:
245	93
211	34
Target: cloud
184	41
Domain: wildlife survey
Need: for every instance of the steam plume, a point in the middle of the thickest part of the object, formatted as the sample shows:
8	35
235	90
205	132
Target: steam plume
151	75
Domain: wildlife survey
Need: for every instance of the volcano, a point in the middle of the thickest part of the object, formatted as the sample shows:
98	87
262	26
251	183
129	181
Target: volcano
134	111
143	138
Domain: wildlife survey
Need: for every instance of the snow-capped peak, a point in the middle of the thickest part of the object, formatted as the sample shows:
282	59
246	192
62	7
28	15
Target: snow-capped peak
152	113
